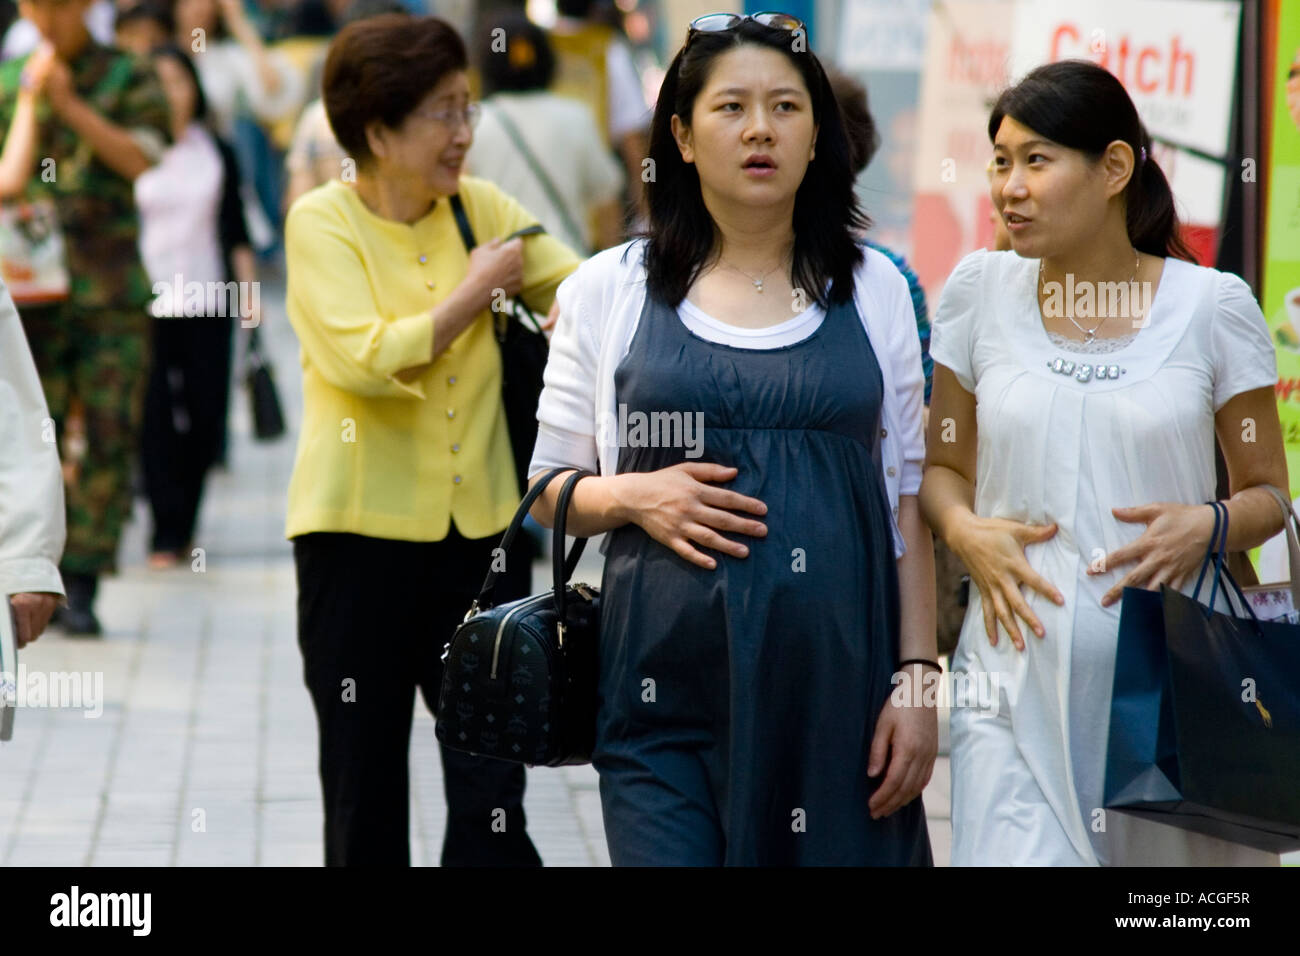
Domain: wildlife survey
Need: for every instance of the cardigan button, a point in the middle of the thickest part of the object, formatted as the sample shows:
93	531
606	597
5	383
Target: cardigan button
422	260
456	480
890	471
455	448
430	283
451	380
451	413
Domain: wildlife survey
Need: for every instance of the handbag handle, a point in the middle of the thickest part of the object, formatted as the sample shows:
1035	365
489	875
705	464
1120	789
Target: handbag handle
1218	552
1290	522
484	599
562	568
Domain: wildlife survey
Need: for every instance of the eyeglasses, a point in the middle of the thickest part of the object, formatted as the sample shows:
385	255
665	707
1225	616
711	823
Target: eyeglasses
452	118
721	22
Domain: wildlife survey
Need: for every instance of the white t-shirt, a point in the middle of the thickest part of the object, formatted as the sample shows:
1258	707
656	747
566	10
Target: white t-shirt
1054	449
792	330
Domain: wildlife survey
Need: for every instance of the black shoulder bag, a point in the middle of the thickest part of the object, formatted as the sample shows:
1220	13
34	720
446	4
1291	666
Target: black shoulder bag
519	680
523	360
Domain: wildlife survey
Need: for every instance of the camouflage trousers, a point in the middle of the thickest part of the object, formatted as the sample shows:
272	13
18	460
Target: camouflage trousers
97	358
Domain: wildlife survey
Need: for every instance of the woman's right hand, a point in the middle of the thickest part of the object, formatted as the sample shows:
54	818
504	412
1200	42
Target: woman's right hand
680	509
497	265
993	550
37	69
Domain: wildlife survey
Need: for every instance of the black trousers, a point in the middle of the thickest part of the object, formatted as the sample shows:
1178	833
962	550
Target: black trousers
373	617
184	421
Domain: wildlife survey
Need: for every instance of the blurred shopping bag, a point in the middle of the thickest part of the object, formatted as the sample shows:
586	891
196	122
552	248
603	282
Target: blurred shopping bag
1205	714
1280	601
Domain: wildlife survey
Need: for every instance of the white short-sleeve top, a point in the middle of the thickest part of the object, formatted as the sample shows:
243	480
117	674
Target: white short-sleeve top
600	305
1054	449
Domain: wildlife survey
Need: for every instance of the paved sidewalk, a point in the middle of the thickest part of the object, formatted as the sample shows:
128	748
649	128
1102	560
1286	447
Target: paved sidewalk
205	751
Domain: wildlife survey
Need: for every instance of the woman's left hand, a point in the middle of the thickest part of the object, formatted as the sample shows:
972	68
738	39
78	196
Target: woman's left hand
1168	552
909	736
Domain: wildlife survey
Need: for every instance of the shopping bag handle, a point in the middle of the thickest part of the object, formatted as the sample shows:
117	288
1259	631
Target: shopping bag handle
1290	524
1218	552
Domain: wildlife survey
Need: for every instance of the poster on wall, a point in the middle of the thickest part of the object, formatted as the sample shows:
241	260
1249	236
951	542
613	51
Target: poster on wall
1176	58
965	65
1280	296
881	44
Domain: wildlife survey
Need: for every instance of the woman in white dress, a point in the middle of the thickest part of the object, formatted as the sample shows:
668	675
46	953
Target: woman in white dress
1071	455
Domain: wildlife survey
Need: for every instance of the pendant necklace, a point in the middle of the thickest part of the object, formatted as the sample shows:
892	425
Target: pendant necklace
1082	371
757	281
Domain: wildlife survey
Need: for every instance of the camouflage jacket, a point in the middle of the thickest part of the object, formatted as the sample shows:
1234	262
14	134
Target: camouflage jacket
96	206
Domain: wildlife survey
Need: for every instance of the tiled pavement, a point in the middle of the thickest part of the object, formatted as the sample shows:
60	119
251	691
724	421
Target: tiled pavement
205	750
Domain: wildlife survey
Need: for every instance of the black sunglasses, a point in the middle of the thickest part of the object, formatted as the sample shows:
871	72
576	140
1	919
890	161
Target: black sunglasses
721	22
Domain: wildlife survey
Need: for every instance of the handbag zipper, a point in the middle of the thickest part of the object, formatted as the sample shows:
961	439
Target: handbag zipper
496	647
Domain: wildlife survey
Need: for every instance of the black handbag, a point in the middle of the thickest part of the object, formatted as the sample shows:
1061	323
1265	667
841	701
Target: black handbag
268	417
519	680
524	349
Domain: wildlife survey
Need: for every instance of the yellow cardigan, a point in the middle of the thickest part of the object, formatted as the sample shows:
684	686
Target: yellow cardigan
393	457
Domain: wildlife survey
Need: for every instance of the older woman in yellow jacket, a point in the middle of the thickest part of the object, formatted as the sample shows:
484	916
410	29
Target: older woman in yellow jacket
404	476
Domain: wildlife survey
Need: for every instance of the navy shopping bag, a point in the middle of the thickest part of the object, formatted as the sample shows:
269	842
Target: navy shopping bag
1205	714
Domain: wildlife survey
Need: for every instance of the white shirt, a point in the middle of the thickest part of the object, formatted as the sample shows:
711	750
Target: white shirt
179	201
1052	449
561	135
232	85
777	336
32	522
600	305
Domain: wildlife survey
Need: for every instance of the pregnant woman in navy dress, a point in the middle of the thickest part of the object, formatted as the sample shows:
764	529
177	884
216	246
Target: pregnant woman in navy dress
747	382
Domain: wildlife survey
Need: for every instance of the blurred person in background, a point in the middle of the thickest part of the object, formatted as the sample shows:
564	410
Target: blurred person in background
864	141
32	528
594	64
22	36
404	477
142	25
188	203
315	156
542	148
247	87
92	344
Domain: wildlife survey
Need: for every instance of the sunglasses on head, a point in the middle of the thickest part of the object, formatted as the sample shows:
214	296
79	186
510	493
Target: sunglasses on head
721	22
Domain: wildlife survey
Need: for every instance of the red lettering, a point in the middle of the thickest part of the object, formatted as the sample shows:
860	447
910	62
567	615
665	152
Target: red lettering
1064	30
1147	86
1177	55
1122	72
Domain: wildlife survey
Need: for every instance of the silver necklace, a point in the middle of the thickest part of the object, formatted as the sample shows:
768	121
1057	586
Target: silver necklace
758	282
1088	334
1083	371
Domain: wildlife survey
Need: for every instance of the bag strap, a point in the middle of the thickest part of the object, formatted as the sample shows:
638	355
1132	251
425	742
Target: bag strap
548	186
484	599
1218	552
1290	524
467	237
561	567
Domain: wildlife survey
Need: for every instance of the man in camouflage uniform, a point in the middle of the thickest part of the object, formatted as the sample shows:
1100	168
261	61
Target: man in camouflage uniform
82	121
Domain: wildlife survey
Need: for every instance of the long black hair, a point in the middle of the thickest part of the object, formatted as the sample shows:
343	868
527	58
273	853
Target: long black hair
683	236
170	51
1082	106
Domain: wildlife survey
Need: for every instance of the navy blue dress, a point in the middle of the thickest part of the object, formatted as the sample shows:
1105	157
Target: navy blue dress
737	705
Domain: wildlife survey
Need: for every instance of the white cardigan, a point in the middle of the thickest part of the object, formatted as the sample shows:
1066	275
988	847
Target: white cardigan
600	305
31	482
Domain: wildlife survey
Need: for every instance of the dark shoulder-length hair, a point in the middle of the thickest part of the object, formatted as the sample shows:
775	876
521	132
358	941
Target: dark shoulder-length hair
1082	106
682	236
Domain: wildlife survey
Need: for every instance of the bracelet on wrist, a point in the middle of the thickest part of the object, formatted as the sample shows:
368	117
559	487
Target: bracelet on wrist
919	660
